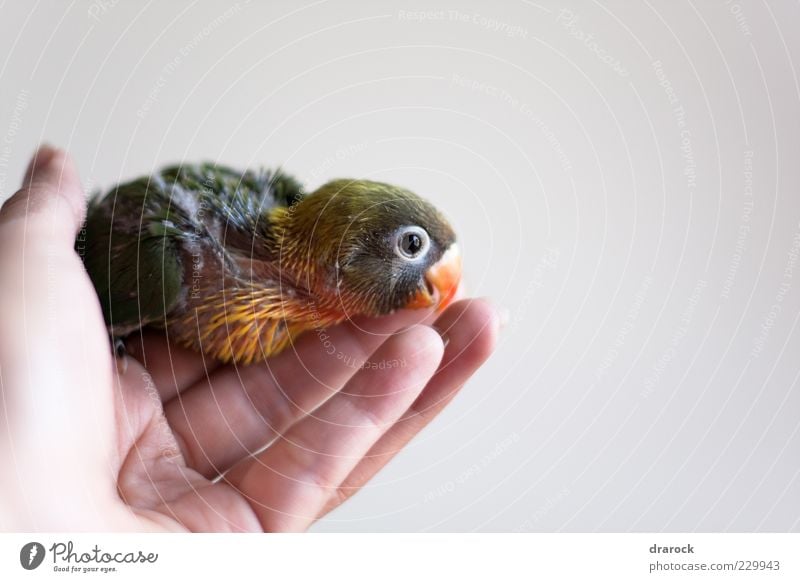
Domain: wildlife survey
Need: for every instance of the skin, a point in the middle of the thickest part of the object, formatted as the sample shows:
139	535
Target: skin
90	443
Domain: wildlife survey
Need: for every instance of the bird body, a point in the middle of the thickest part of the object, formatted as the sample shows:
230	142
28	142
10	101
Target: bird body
236	264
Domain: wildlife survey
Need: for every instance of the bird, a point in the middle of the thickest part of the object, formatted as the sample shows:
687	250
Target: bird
236	264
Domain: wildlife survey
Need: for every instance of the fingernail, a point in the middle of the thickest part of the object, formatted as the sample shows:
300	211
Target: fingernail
121	364
41	158
44	154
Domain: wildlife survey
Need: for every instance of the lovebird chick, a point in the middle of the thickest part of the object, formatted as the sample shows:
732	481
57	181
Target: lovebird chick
236	264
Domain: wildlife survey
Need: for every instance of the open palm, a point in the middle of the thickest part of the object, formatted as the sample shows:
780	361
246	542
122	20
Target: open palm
166	439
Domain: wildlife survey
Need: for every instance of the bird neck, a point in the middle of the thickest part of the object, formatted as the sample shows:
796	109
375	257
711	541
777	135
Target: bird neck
290	247
305	251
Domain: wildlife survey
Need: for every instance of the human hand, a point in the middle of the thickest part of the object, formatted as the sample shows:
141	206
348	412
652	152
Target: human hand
167	440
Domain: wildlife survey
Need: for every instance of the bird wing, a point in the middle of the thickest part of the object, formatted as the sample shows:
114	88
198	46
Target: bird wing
130	252
142	239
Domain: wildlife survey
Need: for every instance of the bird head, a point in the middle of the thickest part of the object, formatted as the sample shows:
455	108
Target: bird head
373	246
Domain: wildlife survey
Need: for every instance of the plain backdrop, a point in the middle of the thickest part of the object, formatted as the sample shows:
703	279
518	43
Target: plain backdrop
624	178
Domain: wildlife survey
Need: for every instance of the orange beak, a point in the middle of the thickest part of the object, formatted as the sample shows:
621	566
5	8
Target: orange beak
441	280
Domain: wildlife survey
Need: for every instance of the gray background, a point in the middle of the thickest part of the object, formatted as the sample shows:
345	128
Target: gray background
625	180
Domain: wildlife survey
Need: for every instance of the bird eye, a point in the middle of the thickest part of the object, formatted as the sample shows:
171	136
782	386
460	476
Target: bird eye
412	242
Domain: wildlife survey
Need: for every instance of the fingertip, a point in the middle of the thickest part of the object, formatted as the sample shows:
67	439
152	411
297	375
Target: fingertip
484	312
420	342
53	166
41	157
51	183
472	324
56	170
478	309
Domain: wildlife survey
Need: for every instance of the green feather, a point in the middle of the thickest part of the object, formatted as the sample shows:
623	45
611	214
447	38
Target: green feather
142	236
237	262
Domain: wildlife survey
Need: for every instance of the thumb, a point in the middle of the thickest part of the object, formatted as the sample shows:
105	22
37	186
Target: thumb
51	200
56	400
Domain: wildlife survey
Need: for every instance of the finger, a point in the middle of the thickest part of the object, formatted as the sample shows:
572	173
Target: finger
54	354
470	329
51	202
289	483
172	368
236	411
